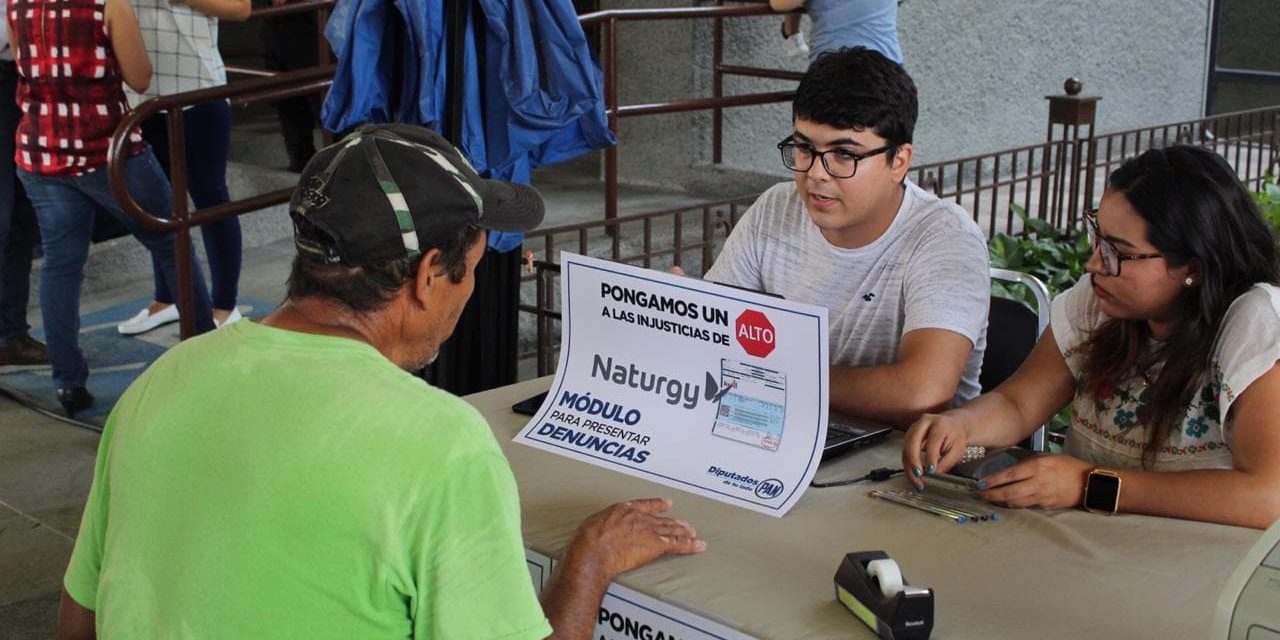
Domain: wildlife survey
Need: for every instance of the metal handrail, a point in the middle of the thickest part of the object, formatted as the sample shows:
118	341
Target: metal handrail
292	7
608	20
241	94
289	84
674	13
307	81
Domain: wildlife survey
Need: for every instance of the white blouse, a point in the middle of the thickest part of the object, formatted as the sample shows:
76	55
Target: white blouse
1105	430
183	46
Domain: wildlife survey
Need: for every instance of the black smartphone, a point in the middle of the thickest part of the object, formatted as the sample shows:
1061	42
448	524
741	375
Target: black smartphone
529	406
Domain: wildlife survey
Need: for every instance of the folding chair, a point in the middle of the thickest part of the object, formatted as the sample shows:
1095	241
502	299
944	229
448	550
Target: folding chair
1012	331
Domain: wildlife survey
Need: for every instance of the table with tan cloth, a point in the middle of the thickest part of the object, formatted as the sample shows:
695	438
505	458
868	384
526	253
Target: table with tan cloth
1034	574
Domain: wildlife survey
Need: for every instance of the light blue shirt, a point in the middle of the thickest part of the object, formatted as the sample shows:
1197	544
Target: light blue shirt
851	23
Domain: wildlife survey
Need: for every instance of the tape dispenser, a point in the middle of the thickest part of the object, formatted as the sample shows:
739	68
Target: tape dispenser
870	585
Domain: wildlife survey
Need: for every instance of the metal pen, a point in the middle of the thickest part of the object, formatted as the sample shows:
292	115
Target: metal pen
957	504
894	498
938	504
974	514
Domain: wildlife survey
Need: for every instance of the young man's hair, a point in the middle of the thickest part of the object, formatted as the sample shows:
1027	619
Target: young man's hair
858	88
1197	212
369	288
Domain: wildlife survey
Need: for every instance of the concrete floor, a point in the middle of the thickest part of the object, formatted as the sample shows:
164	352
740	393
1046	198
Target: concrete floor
46	467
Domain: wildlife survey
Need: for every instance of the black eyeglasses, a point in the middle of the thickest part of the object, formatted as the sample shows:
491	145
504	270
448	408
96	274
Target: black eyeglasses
842	164
1112	258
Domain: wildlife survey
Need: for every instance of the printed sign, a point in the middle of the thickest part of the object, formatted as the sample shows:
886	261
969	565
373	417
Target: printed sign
702	387
539	568
626	614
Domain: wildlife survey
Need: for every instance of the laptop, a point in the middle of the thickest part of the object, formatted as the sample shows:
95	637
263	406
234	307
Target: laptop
844	434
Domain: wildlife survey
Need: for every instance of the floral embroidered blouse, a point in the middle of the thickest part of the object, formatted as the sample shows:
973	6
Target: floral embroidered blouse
1105	431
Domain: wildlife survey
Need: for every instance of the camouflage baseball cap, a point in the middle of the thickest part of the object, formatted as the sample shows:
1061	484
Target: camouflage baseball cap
377	194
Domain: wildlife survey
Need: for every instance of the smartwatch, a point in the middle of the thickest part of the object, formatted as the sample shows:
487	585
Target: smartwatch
1102	491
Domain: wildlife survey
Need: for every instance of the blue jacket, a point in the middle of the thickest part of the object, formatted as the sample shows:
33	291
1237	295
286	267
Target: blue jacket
542	92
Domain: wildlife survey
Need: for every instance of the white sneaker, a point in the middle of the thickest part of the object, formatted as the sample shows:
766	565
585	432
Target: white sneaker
233	317
795	46
145	321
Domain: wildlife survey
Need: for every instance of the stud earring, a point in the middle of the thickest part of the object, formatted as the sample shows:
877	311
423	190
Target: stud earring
1189	281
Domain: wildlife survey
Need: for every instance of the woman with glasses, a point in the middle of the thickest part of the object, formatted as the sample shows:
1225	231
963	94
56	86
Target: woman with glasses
1166	351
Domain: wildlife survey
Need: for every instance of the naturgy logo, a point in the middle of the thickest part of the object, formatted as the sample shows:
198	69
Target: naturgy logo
755	333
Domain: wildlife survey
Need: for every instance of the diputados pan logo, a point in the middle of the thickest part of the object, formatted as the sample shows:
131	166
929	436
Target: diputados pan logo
769	489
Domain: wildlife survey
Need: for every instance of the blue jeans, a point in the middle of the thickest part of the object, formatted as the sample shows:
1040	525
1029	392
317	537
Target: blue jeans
208	137
18	234
65	207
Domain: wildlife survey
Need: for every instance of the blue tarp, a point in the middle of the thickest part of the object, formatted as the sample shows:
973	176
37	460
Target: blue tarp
532	97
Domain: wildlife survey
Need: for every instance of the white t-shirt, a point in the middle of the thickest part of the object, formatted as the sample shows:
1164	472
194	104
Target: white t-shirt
183	46
1105	431
928	270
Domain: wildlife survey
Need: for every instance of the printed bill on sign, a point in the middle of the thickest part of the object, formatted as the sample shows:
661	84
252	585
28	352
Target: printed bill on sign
754	405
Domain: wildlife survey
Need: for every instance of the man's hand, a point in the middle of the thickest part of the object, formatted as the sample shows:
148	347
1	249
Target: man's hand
618	539
1048	481
631	534
935	442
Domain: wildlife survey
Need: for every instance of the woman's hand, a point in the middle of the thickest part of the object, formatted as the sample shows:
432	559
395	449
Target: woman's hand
935	442
1048	481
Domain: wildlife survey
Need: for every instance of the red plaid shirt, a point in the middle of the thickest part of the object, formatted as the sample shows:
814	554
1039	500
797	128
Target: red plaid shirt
70	89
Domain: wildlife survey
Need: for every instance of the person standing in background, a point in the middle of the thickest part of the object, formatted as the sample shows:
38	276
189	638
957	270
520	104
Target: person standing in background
182	41
290	43
18	234
844	23
72	65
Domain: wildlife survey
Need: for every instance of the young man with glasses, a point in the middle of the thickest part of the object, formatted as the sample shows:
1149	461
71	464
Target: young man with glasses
904	274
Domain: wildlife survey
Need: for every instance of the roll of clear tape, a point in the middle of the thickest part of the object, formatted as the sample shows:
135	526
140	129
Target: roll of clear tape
887	574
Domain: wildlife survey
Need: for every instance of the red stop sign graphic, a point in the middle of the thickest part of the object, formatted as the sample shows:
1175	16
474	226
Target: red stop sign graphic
755	333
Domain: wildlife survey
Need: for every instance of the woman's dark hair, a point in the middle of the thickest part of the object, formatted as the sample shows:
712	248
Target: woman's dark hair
857	88
1197	212
371	287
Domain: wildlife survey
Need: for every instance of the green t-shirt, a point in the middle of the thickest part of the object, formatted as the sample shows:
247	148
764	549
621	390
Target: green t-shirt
261	483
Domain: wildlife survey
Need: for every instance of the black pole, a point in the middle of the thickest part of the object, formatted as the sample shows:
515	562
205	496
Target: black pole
481	353
459	23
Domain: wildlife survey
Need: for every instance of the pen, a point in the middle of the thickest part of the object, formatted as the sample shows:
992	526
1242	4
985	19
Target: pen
939	504
957	504
897	499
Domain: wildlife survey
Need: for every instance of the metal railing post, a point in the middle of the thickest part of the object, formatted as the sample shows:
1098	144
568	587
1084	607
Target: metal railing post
182	236
717	89
611	105
541	330
324	56
1070	111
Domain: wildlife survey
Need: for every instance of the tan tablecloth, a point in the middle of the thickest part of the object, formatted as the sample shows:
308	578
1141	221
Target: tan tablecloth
1035	574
